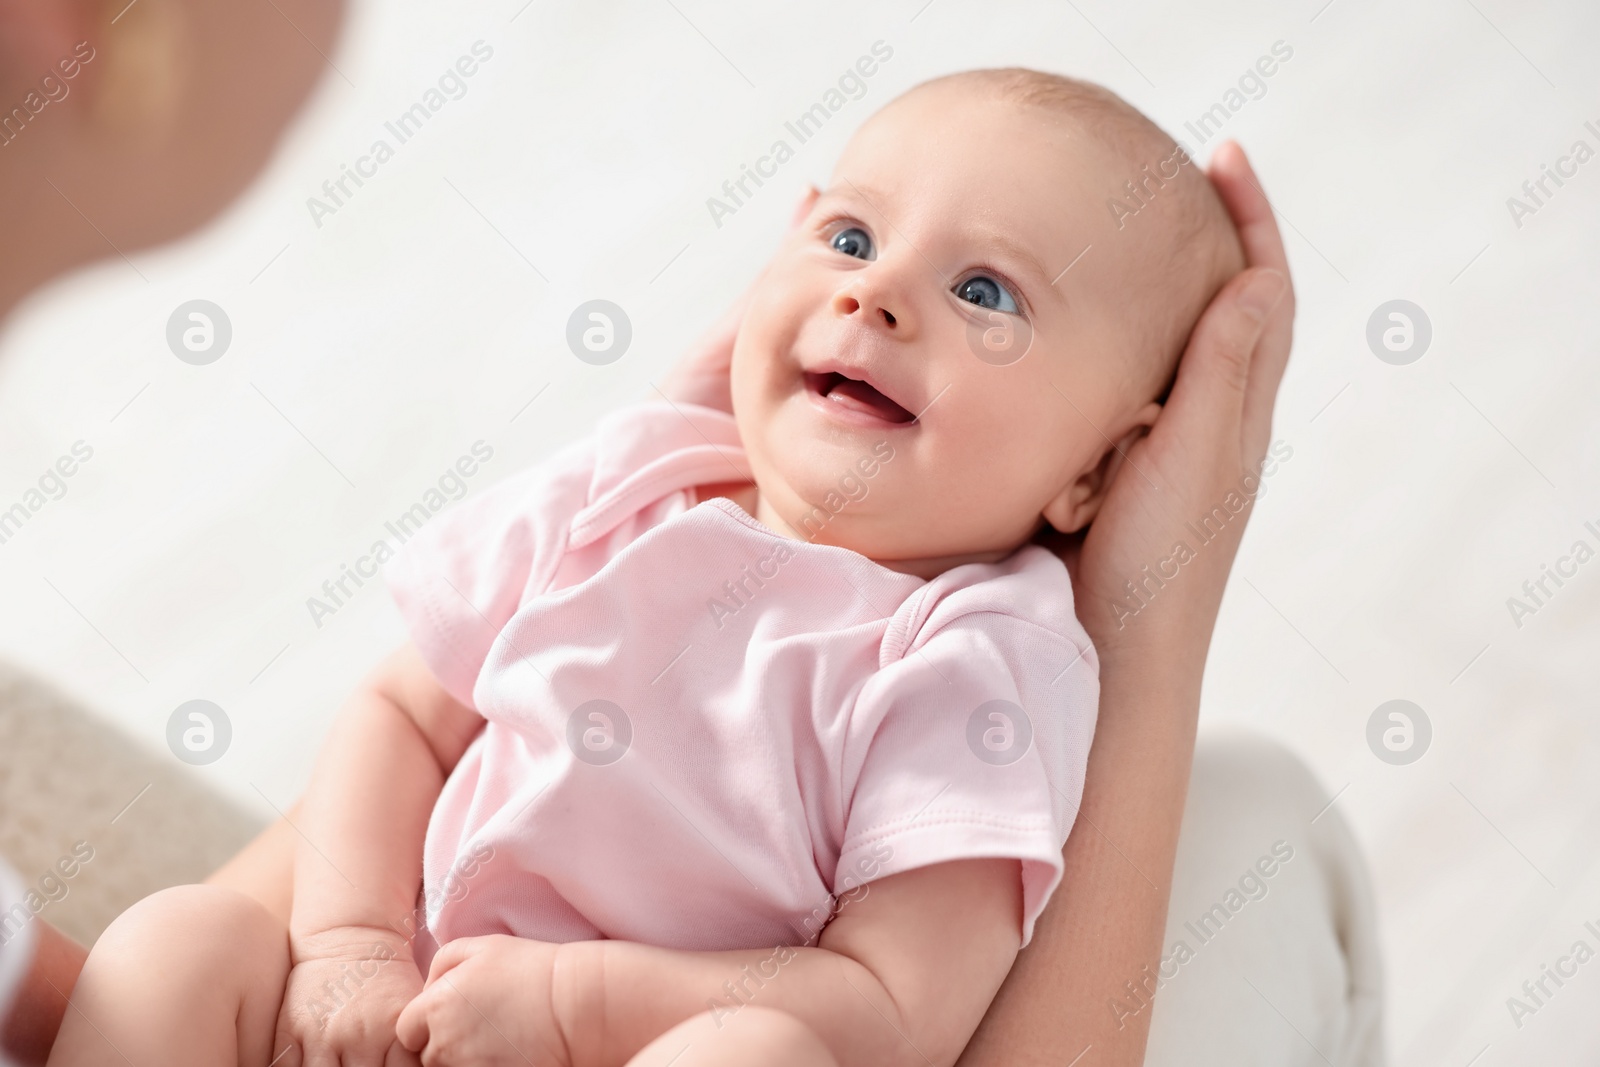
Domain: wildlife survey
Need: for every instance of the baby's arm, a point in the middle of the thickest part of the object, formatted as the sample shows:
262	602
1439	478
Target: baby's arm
902	975
359	860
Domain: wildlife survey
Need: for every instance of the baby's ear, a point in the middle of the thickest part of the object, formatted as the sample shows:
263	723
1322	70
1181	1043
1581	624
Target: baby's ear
1078	503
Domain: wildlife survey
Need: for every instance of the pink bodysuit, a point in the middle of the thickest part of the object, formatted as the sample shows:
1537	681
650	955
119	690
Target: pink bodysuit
700	733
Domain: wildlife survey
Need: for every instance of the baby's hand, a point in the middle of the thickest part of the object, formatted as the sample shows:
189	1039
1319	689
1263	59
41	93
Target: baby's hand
343	997
488	1003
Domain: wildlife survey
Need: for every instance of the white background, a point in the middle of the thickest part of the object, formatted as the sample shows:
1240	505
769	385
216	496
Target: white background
371	352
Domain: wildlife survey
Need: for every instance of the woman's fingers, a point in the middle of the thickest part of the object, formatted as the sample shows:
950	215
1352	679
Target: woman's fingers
286	1049
400	1056
1215	374
1241	192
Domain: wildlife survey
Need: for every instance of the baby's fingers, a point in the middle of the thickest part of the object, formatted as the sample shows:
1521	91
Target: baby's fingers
400	1056
291	1053
412	1027
299	1044
286	1051
318	1055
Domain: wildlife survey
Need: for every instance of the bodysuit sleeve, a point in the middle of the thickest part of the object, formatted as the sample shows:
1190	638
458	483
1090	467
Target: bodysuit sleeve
459	579
972	740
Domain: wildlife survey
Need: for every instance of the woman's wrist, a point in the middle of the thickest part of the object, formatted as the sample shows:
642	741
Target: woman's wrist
1163	651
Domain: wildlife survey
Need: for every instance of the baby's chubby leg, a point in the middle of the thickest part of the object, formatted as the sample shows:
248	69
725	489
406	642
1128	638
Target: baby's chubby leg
188	977
751	1035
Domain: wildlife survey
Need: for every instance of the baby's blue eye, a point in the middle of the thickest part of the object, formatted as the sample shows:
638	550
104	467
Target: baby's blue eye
853	242
984	291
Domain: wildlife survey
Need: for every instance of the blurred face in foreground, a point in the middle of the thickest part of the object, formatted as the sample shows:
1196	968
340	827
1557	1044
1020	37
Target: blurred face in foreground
124	125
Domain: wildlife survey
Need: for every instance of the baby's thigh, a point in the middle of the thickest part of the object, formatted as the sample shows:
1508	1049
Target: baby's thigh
751	1035
200	934
205	962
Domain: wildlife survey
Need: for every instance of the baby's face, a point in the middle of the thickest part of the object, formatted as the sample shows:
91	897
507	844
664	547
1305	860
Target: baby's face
868	416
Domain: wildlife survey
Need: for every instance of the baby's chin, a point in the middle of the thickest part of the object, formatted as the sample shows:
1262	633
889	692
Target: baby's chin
848	513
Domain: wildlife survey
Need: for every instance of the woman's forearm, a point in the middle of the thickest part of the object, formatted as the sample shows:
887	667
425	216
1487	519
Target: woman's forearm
1105	922
30	1029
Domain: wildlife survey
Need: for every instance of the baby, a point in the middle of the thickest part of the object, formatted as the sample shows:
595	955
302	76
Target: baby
747	738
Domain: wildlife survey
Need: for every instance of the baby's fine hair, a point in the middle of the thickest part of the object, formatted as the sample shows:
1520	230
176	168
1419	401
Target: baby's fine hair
1202	248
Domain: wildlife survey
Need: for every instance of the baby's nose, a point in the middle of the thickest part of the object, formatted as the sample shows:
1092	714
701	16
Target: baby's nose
850	305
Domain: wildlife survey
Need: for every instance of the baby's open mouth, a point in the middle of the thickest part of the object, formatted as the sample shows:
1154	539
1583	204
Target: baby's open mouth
857	396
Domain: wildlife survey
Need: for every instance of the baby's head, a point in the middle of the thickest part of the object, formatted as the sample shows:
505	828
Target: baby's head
967	298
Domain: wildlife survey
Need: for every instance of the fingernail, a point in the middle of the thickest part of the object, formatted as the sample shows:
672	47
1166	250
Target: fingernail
1263	293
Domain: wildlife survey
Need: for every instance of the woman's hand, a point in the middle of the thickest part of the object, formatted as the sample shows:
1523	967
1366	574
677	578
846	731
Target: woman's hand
488	1002
1207	443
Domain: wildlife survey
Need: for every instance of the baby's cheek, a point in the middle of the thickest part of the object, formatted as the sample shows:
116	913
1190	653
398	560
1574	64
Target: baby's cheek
750	367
